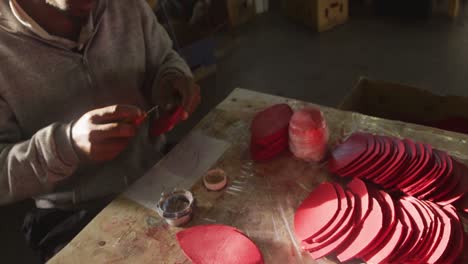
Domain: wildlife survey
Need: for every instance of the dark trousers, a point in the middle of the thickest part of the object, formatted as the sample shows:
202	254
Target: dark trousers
47	231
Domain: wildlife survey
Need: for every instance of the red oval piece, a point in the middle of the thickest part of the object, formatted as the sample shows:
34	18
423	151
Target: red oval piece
388	246
420	228
450	185
386	157
410	236
364	236
343	211
434	169
362	205
438	229
444	240
372	152
424	154
319	250
270	121
460	190
316	212
388	224
398	161
213	244
326	247
457	242
425	243
359	188
347	152
412	158
439	182
267	153
265	142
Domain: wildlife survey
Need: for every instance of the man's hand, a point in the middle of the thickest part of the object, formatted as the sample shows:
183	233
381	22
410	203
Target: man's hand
176	90
102	134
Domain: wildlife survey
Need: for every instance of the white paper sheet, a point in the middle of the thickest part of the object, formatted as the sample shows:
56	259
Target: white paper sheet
184	165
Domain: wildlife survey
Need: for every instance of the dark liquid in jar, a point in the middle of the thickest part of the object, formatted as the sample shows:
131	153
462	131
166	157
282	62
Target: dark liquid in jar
175	204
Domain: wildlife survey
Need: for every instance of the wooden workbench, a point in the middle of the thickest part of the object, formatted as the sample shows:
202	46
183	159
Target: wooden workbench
260	200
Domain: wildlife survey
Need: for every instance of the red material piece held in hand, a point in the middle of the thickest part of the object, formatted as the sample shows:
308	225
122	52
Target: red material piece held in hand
166	122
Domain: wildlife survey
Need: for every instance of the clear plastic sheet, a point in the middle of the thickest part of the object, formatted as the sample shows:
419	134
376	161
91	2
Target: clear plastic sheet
262	197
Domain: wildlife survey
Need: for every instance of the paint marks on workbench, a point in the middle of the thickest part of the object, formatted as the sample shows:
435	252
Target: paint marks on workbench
141	237
115	222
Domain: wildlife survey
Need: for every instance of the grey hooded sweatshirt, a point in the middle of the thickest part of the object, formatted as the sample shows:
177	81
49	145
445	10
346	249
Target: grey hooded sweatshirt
45	86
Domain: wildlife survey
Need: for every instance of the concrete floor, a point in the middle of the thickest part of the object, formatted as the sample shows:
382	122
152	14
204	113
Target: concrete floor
271	54
275	55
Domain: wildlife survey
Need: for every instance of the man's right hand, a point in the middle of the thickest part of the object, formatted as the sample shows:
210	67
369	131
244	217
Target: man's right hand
102	134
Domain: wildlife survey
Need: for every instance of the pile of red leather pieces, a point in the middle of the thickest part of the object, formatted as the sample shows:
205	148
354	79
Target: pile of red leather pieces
269	132
414	168
360	221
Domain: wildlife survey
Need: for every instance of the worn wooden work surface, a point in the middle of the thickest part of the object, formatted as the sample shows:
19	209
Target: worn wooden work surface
260	199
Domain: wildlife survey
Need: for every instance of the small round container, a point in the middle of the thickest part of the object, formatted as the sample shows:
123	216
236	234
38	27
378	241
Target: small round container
176	207
215	180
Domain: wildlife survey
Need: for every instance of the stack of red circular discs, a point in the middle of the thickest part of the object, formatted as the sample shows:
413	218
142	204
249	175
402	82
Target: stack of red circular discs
308	134
269	132
361	222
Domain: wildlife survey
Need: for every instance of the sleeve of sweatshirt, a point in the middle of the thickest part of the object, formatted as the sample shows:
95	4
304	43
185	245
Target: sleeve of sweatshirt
32	166
162	58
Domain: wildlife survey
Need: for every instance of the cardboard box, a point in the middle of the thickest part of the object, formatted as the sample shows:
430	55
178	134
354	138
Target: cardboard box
240	11
321	15
408	104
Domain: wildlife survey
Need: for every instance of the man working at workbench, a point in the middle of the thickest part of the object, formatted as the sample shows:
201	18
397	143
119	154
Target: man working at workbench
75	76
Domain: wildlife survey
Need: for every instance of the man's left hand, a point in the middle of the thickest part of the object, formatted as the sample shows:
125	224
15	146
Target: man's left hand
177	90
